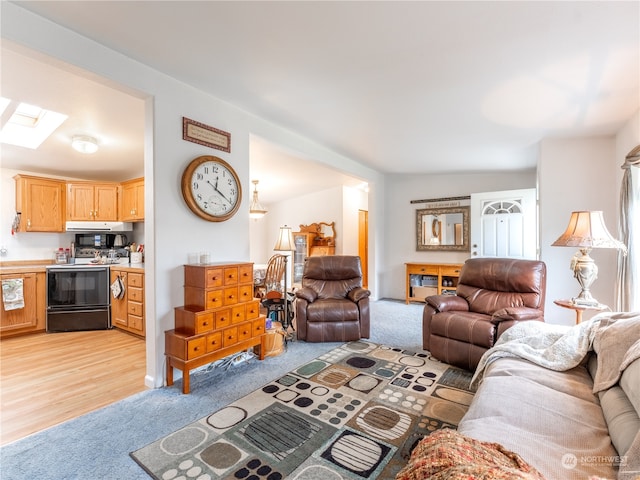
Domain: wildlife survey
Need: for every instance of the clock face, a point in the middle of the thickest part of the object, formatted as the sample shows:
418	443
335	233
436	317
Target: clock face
211	188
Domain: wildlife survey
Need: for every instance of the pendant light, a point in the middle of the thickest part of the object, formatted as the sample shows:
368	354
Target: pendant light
256	210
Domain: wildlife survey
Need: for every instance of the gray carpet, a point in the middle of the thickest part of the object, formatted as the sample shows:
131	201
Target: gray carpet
96	446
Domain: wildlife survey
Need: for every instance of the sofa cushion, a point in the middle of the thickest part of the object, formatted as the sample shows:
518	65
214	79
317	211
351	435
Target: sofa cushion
473	328
621	417
630	384
552	419
332	310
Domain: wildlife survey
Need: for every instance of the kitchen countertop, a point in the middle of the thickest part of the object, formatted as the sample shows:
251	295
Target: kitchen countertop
40	267
129	267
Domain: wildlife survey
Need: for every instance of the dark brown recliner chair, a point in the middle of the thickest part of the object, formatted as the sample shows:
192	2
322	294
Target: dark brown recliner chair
332	306
492	295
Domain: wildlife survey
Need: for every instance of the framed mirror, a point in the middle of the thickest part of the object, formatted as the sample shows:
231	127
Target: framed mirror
327	233
442	229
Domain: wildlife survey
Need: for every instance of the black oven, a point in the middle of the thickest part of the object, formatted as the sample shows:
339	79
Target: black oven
78	298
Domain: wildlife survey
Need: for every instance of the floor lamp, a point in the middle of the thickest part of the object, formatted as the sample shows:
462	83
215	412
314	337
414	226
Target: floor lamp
285	244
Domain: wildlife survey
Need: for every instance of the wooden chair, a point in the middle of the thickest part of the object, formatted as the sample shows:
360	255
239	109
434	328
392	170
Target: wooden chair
273	277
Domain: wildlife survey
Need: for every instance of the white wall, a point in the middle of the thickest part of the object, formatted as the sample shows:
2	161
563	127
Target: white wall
172	231
400	217
323	206
576	174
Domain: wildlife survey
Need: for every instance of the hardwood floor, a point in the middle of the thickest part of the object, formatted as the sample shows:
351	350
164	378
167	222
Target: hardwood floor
48	378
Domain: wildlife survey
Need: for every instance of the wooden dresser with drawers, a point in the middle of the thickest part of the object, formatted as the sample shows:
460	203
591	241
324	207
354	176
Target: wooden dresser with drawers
219	318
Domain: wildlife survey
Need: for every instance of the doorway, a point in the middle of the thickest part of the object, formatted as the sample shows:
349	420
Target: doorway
363	245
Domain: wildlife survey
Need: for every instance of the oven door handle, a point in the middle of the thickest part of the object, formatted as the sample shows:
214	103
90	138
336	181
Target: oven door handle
78	269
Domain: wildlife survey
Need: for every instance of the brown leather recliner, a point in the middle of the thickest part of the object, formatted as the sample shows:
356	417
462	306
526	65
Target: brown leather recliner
492	295
332	306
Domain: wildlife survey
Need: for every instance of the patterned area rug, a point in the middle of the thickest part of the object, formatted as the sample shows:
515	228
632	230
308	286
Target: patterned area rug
353	413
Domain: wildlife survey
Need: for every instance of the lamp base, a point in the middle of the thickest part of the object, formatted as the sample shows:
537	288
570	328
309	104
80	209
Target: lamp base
585	271
585	302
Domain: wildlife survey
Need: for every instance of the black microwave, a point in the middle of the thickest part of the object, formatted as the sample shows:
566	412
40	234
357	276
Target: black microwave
102	240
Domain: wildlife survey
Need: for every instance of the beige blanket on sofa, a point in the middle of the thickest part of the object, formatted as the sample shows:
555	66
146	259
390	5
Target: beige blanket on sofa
561	348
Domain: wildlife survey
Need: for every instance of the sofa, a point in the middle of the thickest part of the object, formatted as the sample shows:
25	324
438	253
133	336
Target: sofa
552	402
492	295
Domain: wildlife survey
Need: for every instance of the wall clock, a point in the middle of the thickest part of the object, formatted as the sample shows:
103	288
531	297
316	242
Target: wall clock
211	188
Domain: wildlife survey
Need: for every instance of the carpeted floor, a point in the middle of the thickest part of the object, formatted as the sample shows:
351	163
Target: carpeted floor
96	446
354	412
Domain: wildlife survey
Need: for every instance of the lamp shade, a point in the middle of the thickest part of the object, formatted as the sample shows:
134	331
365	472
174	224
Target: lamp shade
587	230
285	240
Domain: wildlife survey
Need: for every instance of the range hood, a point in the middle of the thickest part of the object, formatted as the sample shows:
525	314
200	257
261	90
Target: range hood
99	227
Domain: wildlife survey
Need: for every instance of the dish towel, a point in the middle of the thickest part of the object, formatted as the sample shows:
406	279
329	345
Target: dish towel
117	288
12	294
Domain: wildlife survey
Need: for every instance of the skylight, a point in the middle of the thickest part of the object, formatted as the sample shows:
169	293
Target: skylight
29	125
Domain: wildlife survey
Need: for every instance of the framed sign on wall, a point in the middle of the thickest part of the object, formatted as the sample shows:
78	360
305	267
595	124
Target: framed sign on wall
206	135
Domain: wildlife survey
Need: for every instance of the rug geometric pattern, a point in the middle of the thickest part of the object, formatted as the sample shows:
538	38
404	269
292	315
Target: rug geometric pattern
353	413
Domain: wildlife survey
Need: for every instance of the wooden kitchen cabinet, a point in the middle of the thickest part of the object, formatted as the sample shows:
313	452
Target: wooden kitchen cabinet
127	313
219	318
132	203
32	317
92	201
40	203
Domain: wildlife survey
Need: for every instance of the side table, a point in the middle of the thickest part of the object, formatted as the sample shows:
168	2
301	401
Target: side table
580	308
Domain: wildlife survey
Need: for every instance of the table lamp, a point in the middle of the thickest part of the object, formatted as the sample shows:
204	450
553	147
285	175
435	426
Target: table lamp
586	231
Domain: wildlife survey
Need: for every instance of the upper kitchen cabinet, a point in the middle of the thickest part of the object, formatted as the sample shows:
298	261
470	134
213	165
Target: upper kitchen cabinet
92	201
40	203
132	198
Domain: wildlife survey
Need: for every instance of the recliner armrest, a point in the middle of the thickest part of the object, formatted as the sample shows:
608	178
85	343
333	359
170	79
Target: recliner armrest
445	303
357	294
517	314
307	294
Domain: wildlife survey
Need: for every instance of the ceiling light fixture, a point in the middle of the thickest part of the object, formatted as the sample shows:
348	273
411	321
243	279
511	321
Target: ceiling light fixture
256	210
84	144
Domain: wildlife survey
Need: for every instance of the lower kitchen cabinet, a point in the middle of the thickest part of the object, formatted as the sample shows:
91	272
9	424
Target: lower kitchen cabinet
30	318
127	312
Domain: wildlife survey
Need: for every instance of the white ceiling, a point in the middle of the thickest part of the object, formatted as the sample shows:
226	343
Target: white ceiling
403	87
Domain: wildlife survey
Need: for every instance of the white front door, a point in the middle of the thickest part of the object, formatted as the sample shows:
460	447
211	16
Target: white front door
504	224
